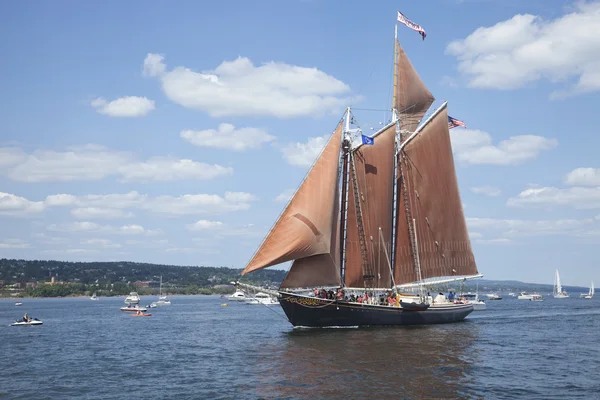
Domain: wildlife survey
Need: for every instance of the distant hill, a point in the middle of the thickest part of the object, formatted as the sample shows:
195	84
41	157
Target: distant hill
120	276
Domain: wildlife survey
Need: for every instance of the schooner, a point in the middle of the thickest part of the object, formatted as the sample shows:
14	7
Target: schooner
379	218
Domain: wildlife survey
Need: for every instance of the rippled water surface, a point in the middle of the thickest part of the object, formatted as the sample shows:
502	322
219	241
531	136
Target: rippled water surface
198	349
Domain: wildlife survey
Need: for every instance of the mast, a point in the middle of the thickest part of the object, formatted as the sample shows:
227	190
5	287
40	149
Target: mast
395	71
346	144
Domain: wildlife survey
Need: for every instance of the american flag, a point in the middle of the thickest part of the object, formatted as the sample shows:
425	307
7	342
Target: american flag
411	25
453	123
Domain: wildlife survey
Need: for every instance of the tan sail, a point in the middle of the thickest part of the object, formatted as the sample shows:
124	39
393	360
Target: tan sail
375	176
436	206
321	269
305	227
412	98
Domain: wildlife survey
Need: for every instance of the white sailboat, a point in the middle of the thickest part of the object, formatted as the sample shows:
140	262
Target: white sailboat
162	300
94	297
559	293
589	294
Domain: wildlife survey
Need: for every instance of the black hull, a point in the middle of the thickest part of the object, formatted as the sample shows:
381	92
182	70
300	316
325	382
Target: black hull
305	311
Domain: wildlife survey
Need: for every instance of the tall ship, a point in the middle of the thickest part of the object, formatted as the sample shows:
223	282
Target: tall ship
377	223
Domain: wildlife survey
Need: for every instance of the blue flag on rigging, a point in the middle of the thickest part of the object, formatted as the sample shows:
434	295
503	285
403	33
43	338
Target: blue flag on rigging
367	140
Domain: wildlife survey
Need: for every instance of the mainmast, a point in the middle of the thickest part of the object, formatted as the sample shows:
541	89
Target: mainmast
394	111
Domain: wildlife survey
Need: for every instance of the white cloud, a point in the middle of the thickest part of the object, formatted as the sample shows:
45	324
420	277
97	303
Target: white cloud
92	227
475	147
11	156
576	197
487	190
14	244
93	162
495	241
129	106
167	169
285	196
475	235
584	177
100	213
200	203
11	204
227	137
527	48
103	243
304	154
125	200
510	228
238	88
203	225
153	65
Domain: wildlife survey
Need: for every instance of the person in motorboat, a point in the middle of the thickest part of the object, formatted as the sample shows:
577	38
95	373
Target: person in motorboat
26	318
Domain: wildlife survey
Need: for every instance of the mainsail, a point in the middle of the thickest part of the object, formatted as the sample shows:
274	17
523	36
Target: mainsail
375	175
307	230
430	187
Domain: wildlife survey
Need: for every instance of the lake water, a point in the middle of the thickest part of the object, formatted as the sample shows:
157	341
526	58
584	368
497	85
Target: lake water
198	349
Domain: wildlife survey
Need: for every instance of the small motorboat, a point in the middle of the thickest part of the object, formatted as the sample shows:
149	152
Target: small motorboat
136	308
141	315
18	303
32	322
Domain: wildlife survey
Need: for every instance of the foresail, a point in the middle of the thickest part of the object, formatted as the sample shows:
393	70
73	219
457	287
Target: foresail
305	227
434	202
375	176
412	98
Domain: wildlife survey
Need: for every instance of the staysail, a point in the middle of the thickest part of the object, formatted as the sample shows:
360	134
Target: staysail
411	97
375	177
307	230
430	185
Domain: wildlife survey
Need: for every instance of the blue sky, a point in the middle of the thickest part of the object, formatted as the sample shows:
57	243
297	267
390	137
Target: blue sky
171	133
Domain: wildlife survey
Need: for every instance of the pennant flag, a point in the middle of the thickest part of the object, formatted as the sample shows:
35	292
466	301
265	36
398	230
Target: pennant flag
453	123
411	25
367	140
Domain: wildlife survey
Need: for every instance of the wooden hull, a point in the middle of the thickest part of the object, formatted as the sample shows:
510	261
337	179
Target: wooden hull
305	311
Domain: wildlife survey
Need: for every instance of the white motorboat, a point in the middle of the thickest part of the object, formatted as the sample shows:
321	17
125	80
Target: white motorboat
558	292
133	298
262	298
527	296
237	296
493	296
130	308
473	299
18	303
33	322
94	297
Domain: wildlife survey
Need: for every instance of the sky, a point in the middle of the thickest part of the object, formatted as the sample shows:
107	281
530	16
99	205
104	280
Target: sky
175	133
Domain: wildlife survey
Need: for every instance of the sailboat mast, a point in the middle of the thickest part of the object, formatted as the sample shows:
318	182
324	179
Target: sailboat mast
346	143
395	69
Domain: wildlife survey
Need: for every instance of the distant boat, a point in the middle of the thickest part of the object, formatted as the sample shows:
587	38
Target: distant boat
473	299
493	296
589	294
130	308
133	298
262	298
237	296
32	322
162	300
18	303
530	296
94	297
558	292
